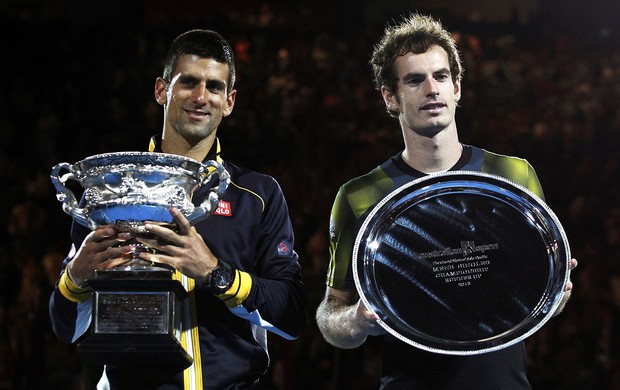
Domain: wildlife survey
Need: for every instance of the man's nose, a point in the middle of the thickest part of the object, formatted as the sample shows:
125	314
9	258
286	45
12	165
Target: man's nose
199	94
430	88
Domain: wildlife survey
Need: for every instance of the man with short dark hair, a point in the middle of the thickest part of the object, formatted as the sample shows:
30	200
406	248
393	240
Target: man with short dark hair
226	334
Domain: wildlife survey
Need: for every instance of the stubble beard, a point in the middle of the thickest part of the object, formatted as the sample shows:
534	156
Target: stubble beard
194	133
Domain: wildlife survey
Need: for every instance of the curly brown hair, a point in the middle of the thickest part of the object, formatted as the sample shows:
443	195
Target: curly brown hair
416	33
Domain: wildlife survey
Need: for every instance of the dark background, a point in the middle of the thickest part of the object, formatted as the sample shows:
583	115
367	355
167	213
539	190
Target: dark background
542	81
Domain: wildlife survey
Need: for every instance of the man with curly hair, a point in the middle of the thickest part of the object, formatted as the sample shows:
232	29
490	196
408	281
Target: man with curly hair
417	69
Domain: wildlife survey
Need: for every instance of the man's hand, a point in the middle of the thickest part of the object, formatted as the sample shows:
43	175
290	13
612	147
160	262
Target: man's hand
184	250
569	284
100	250
343	319
367	320
568	289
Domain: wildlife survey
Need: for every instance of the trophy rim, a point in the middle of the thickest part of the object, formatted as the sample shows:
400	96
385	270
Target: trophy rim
384	211
147	157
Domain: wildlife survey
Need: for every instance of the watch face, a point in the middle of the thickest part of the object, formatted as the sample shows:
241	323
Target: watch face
221	279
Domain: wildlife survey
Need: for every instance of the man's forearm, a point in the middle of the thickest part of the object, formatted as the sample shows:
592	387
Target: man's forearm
337	321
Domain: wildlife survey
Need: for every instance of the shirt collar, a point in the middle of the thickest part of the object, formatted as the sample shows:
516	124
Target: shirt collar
466	156
214	153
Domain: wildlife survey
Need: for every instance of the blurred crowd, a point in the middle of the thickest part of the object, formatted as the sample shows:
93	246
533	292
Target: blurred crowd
307	114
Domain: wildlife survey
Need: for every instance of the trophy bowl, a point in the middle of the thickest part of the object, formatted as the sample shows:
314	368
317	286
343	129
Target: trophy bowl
461	263
137	187
128	188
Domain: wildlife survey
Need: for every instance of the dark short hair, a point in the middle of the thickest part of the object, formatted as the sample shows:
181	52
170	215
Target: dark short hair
205	44
416	33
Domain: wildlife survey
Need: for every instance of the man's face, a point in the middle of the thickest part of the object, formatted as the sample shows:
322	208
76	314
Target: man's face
196	98
425	96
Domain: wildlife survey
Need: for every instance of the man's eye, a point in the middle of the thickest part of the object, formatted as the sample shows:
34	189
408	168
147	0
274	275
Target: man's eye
215	86
188	83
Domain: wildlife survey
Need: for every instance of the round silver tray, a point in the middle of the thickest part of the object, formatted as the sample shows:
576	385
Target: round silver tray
461	263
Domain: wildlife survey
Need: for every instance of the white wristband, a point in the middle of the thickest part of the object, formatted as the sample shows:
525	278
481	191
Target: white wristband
69	266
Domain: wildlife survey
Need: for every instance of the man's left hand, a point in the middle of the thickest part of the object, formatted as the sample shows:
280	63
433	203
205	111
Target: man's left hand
184	250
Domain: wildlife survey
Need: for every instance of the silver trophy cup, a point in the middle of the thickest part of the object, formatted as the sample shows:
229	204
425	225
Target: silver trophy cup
137	307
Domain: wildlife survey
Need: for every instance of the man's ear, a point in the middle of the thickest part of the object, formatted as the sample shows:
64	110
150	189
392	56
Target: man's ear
389	99
457	91
230	102
160	91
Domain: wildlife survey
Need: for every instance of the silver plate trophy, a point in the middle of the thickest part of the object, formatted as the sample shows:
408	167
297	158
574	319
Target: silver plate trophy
137	307
461	263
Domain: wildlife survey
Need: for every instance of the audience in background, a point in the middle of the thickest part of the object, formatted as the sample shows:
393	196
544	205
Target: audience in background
551	98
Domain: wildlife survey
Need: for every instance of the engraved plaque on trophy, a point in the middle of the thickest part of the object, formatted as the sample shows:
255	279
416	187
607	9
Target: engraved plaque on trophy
461	263
137	308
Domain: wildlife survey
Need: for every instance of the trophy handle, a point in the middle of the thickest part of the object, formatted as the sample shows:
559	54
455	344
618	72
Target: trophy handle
208	206
66	196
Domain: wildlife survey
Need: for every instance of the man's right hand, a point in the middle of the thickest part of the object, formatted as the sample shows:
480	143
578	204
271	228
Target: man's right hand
367	320
100	250
344	320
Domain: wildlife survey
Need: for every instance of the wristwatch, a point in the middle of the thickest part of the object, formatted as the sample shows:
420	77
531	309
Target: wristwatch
221	278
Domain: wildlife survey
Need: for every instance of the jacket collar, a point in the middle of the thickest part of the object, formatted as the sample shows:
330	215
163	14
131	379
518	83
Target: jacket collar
214	153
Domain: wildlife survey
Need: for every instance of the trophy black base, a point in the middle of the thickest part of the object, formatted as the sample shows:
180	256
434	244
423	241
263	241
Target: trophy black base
136	320
159	353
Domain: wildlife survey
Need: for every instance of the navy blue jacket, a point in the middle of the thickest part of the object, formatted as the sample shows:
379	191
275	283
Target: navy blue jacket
253	233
